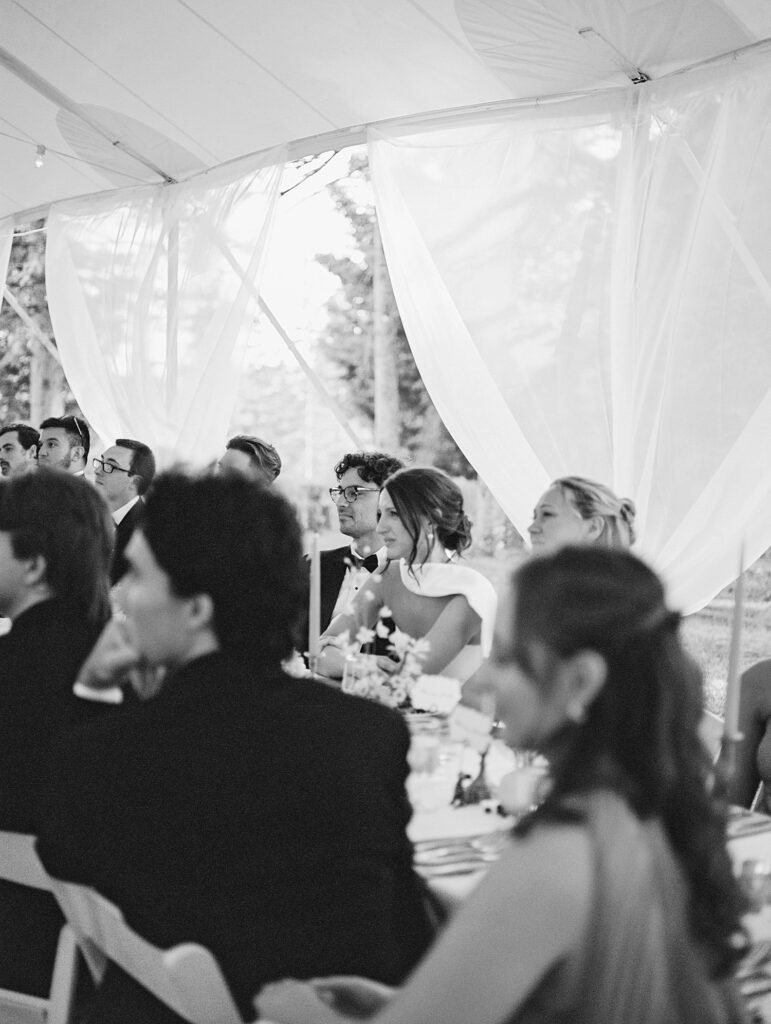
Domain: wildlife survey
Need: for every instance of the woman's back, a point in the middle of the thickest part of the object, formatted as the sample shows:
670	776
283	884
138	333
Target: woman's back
638	962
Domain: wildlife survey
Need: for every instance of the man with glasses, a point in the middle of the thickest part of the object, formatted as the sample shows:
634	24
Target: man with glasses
64	444
18	448
360	475
123	475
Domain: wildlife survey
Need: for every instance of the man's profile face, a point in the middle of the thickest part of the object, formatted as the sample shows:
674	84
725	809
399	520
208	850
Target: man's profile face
155	617
119	486
14	458
13	588
357	518
55	448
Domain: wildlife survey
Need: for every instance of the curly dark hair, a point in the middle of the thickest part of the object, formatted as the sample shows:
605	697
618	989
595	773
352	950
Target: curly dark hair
426	497
373	467
640	735
62	518
238	541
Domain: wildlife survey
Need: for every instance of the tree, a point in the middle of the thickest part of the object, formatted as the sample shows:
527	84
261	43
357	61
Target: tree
359	313
32	384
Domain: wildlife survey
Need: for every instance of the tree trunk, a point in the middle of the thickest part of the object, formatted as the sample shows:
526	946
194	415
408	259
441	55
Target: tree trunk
385	358
46	385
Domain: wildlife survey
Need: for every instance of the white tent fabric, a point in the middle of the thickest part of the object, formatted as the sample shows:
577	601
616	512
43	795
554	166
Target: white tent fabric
153	299
600	270
122	94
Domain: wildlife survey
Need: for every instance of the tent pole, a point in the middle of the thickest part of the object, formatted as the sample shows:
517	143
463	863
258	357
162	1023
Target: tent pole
172	313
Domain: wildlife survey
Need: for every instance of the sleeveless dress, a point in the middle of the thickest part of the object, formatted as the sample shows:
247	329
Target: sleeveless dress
446	579
638	963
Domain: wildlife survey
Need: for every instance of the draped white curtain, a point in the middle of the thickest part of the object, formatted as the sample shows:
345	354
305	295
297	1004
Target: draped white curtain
6	241
586	288
152	299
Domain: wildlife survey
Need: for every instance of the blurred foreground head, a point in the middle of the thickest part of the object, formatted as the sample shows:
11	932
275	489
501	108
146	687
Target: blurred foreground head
587	660
56	540
215	565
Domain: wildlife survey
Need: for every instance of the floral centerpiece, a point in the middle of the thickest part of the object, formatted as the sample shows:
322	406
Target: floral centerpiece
365	675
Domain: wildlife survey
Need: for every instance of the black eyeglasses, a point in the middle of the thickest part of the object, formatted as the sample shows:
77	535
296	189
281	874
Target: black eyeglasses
350	493
108	467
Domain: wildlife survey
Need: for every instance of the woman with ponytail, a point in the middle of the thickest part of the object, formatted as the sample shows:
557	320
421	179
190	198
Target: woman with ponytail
427	592
614	900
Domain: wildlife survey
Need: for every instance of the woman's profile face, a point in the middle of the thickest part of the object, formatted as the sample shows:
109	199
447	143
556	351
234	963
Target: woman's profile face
393	532
557	522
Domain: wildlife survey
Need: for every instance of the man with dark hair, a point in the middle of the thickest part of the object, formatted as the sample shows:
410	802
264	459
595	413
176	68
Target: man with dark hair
251	457
123	475
65	442
55	546
259	815
360	475
18	448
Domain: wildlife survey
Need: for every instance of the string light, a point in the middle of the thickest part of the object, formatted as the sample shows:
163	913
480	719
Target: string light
40	155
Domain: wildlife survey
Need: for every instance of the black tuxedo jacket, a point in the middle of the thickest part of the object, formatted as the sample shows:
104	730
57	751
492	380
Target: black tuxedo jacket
123	532
332	569
259	815
39	661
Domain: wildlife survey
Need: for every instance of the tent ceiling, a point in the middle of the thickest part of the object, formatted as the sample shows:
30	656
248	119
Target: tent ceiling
123	94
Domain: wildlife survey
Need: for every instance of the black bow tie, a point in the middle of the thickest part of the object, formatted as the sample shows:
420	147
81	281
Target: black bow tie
369	563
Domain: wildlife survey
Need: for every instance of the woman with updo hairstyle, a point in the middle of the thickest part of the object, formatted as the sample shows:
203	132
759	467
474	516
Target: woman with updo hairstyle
615	900
424	529
575	510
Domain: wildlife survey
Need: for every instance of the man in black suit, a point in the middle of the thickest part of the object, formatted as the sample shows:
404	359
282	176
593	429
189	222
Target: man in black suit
55	546
123	475
360	475
259	815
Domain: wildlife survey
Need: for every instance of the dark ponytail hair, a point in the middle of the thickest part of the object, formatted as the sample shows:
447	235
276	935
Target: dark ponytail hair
427	496
640	735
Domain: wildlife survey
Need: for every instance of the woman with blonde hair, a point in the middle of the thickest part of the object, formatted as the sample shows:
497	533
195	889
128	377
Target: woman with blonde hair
575	510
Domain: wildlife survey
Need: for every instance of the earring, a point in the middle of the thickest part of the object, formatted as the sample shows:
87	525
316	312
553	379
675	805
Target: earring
576	712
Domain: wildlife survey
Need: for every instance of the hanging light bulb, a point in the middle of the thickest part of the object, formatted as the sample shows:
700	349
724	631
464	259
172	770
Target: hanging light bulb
40	155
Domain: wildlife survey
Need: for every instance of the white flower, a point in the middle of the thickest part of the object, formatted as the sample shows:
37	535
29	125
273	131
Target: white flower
385	612
381	629
365	636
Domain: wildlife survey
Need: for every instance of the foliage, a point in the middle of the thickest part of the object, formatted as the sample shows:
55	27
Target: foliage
22	362
347	343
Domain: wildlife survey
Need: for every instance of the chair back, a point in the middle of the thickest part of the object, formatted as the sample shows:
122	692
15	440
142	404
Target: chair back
19	863
186	977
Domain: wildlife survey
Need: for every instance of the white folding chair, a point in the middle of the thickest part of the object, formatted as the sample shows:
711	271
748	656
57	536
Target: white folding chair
186	977
19	863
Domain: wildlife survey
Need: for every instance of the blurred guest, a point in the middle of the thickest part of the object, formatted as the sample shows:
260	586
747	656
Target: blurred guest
615	900
55	547
261	816
251	457
64	444
578	511
122	475
18	448
753	754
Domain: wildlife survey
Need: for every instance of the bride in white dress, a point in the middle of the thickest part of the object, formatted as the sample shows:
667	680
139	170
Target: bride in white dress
425	589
